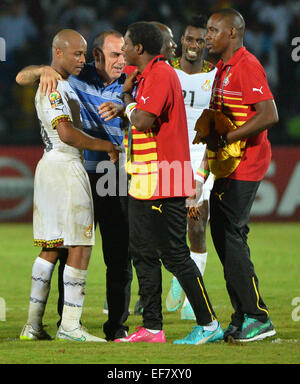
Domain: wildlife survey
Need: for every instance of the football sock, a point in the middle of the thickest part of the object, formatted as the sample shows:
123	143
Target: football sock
40	286
185	301
74	291
200	260
212	326
154	331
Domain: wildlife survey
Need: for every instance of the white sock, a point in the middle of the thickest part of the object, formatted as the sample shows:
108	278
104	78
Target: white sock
212	326
154	331
74	291
200	260
185	301
40	286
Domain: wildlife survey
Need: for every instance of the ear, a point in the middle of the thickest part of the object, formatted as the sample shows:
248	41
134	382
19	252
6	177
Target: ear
139	49
182	39
98	55
59	52
233	33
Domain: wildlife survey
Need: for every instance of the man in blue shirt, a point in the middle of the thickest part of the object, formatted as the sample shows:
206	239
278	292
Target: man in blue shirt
101	82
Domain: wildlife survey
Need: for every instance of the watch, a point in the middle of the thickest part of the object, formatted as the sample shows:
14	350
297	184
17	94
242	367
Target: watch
222	141
122	95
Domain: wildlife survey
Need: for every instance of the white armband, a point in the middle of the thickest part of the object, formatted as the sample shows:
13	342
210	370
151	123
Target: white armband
129	109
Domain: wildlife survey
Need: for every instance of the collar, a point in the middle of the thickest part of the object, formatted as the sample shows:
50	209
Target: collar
207	66
150	65
94	76
233	60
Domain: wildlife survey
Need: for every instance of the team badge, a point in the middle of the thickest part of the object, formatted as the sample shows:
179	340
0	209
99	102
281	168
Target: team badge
226	80
55	99
206	86
89	233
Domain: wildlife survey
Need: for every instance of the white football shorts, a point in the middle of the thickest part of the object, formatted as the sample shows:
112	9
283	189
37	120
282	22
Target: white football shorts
63	205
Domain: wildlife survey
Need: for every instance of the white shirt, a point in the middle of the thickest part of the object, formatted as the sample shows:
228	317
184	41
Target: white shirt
61	105
197	89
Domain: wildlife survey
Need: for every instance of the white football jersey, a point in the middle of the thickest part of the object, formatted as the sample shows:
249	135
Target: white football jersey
197	89
58	106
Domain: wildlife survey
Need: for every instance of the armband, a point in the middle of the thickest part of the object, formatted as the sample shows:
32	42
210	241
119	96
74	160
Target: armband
202	174
129	109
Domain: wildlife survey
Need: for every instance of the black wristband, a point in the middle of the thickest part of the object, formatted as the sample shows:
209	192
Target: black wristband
122	95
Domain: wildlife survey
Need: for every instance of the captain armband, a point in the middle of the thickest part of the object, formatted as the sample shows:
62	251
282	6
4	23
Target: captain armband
129	109
60	119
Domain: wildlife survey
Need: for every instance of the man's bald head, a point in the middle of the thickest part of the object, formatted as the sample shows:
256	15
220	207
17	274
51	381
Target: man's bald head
169	46
66	38
225	31
68	52
233	18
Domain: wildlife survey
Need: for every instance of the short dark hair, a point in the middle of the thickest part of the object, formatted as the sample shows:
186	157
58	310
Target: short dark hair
198	21
234	17
100	38
147	34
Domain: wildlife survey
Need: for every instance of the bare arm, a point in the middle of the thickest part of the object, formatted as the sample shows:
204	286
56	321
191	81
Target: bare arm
29	75
78	139
266	116
34	73
195	203
110	110
142	120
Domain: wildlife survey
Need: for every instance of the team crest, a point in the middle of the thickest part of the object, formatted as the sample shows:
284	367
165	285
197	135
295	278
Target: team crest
55	99
89	233
206	86
226	80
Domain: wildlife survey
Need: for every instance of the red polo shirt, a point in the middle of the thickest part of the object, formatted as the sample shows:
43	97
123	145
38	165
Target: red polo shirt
162	151
244	83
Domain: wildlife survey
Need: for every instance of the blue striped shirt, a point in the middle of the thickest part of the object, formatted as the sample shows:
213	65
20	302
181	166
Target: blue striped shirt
92	92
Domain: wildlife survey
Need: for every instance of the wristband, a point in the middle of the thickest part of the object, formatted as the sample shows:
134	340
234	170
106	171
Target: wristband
129	109
202	174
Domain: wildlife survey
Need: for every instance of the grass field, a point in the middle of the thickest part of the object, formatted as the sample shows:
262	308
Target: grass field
275	253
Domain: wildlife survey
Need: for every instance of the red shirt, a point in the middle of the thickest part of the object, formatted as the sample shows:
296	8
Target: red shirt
166	144
129	68
244	83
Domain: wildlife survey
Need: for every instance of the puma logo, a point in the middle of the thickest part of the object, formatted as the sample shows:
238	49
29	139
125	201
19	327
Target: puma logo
157	208
220	195
145	99
258	89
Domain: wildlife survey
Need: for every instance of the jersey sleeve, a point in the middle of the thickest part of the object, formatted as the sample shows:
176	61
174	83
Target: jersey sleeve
155	93
56	107
254	83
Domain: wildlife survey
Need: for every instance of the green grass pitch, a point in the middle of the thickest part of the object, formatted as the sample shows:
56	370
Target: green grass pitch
275	252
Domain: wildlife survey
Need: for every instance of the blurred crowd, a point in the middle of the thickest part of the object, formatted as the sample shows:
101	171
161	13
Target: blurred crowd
29	26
